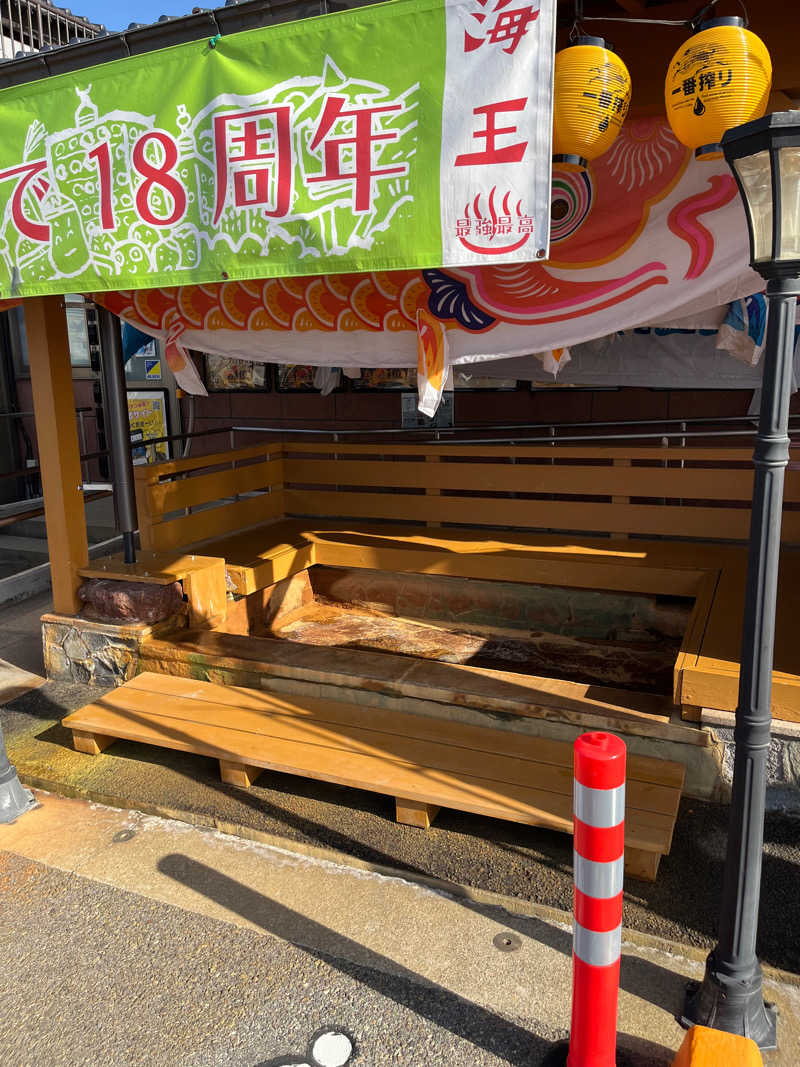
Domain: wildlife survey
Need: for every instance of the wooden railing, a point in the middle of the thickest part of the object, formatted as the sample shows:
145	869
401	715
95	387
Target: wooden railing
186	501
597	489
674	492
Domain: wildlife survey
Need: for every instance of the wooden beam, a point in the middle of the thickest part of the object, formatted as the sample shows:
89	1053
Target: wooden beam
642	865
91	743
238	774
415	813
59	451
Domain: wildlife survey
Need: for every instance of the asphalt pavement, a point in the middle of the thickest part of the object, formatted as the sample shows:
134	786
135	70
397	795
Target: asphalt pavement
129	939
96	976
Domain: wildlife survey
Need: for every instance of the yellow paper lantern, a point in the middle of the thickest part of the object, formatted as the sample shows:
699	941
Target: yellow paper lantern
591	97
718	79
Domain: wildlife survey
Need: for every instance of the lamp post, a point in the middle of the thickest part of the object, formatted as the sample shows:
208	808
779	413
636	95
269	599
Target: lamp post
765	159
14	800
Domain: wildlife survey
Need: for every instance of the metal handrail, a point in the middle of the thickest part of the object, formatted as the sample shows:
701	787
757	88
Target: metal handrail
519	426
31	414
27	472
520	438
183	436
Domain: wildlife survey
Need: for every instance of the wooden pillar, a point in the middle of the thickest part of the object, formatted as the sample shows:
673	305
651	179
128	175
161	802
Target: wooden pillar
59	451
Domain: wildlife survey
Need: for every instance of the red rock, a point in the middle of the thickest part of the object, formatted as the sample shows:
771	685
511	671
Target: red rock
116	601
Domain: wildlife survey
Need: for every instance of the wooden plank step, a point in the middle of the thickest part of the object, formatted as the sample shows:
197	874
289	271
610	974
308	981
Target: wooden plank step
250	706
647	831
437	745
405	756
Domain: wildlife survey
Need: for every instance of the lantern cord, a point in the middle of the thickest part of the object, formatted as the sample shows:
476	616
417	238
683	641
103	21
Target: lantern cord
575	29
690	24
700	16
645	22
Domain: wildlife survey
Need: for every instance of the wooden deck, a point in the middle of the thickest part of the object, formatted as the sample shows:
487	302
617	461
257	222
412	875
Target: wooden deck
424	763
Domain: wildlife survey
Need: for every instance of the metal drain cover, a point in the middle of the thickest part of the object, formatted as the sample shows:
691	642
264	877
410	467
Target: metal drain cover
123	835
507	942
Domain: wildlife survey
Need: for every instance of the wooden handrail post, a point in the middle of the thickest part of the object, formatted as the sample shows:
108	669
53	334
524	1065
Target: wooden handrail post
59	452
616	535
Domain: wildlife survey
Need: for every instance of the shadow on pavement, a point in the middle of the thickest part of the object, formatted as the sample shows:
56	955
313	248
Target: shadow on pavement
481	1027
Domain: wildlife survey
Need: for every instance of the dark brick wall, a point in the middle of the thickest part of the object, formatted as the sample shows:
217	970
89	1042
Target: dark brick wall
352	410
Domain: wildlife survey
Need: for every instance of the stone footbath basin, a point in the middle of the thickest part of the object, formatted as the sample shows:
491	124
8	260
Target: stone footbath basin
626	641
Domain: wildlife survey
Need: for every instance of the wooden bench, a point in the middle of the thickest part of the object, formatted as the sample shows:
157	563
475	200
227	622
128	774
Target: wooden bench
424	763
561	515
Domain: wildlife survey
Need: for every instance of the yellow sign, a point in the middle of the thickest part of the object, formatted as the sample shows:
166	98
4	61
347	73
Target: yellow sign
147	414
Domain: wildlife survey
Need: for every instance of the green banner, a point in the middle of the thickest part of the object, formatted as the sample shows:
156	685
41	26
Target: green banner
304	148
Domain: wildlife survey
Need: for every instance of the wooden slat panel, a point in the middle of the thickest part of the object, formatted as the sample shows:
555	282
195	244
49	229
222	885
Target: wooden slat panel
516	803
204	525
695	556
642	769
693	637
722	639
522	695
207	488
380	773
142	488
706	522
191	463
448	753
510	566
709	687
518	695
671	482
742	454
722	642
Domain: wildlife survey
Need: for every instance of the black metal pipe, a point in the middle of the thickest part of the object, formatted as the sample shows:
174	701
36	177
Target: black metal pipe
118	425
713	419
520	427
730	996
518	439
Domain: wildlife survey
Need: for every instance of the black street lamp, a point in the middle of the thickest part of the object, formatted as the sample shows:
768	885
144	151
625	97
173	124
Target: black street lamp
765	159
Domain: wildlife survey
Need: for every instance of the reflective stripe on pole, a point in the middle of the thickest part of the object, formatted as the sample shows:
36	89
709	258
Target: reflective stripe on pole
599	828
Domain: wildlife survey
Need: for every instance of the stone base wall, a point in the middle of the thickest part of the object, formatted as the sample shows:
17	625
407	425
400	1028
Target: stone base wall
783	759
96	653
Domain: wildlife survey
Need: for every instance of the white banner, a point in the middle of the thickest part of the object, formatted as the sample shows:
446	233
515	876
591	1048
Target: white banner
497	145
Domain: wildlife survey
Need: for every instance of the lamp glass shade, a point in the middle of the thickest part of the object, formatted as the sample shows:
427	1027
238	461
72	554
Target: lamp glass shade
789	164
755	174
